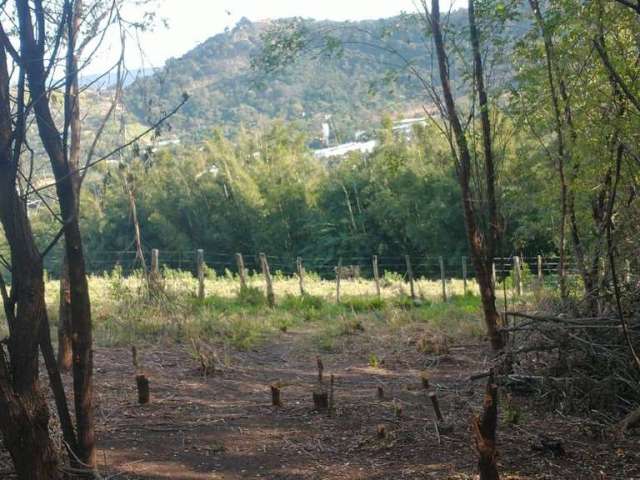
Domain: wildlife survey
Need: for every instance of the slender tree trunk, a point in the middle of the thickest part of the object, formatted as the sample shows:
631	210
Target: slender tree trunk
65	355
24	420
484	427
493	238
24	415
562	152
72	106
481	263
33	55
128	188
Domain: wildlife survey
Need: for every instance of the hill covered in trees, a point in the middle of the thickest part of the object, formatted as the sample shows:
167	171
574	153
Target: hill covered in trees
364	76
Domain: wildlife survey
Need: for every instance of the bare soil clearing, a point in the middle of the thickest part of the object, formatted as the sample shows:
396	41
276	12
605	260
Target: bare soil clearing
223	426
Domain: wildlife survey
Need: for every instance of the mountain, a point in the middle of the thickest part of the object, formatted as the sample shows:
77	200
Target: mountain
353	88
106	81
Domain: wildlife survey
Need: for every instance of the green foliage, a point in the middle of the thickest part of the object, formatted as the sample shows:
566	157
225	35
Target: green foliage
363	304
305	304
374	362
302	70
266	192
252	296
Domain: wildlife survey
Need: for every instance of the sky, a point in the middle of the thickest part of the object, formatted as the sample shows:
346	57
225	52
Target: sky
191	22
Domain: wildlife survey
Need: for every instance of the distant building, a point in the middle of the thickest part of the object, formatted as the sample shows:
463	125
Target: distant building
169	142
326	132
405	127
346	148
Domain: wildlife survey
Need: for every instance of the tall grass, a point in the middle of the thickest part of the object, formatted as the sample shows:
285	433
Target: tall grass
124	314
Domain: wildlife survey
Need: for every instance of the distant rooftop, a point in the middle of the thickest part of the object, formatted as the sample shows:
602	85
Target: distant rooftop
345	148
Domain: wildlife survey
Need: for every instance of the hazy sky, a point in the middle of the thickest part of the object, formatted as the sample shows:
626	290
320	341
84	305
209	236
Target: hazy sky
193	21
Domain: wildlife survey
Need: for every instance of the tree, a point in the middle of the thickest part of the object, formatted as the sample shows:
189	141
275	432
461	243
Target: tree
584	148
482	227
41	30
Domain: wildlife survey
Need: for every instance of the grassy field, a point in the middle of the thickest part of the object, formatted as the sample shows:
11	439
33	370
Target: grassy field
125	314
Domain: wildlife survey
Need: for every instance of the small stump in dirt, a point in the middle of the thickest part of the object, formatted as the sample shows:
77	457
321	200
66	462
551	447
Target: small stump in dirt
381	431
144	396
142	382
397	408
320	400
380	392
275	396
436	406
424	378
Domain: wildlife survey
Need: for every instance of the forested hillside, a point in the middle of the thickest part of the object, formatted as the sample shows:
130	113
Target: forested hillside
365	76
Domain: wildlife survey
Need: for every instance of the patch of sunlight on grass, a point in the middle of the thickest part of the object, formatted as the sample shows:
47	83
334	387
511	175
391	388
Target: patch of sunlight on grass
124	313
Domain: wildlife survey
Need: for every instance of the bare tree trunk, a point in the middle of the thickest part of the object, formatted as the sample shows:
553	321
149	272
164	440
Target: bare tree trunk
493	239
33	55
24	420
128	188
562	154
65	355
475	237
24	415
72	107
484	428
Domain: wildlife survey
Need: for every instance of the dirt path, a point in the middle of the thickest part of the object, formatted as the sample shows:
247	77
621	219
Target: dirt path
223	427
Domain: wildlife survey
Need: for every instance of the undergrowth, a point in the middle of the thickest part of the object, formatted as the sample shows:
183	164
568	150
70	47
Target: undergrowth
124	313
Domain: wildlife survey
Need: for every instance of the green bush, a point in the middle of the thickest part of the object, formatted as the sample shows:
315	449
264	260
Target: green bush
363	304
251	296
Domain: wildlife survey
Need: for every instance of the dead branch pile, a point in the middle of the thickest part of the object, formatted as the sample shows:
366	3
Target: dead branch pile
578	364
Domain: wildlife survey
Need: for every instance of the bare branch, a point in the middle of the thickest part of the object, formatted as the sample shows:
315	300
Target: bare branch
606	61
121	147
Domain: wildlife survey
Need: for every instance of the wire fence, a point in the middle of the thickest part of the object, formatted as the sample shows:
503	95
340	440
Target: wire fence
520	271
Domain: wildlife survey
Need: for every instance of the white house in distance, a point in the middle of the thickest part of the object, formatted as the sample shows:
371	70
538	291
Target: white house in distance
401	127
346	148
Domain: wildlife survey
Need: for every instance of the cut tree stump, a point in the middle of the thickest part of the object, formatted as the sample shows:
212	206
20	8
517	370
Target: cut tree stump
331	399
144	396
275	396
424	378
142	382
320	400
436	406
320	369
484	428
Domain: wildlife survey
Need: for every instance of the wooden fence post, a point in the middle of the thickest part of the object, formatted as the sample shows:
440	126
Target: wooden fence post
407	260
338	275
241	271
517	277
443	280
155	264
376	274
155	279
464	274
540	272
300	269
494	277
200	271
627	271
271	299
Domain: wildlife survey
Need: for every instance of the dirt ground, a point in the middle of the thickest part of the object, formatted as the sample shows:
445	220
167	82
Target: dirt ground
223	426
